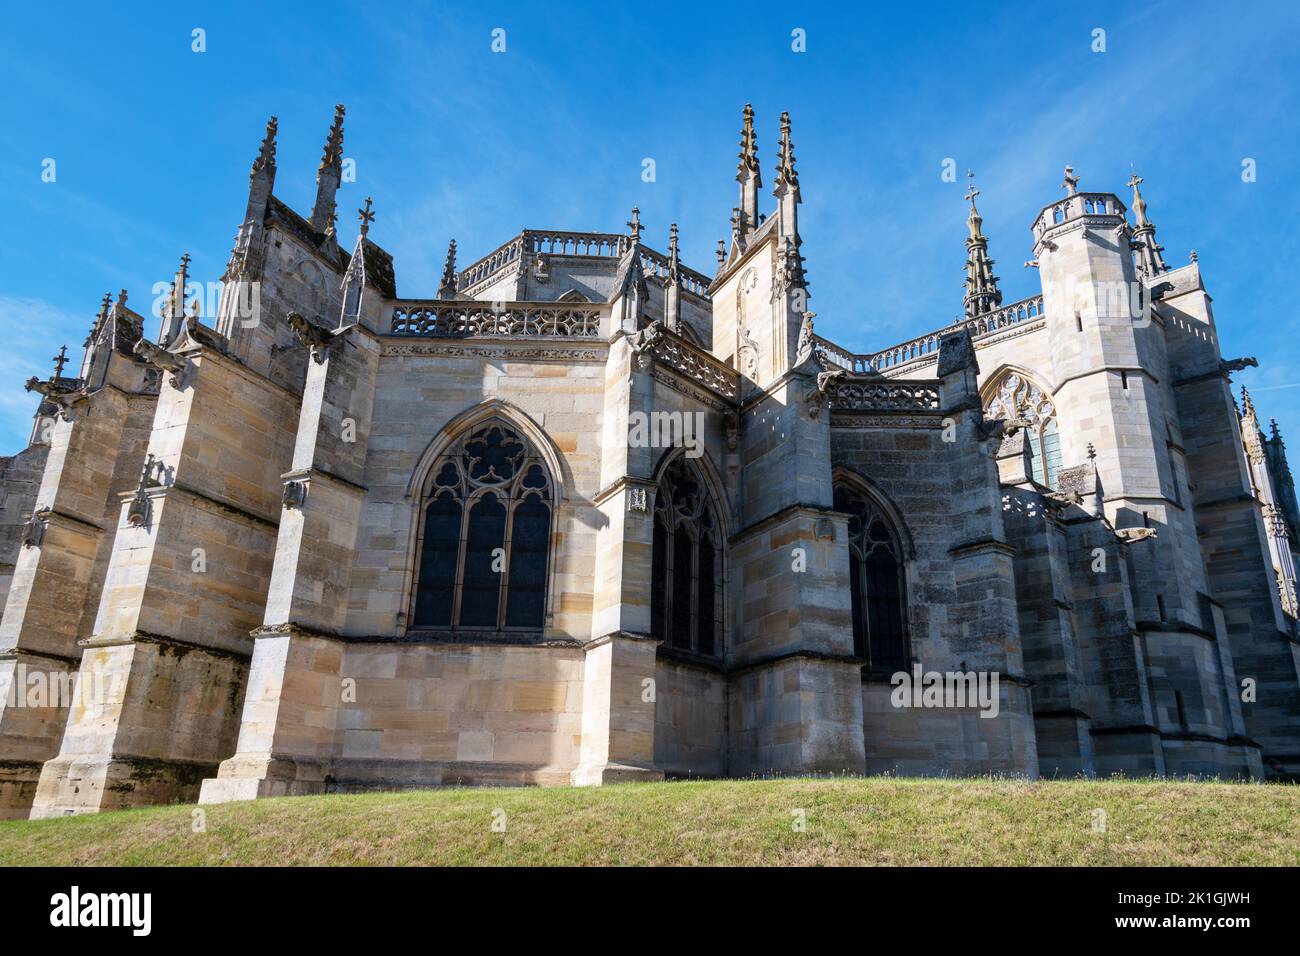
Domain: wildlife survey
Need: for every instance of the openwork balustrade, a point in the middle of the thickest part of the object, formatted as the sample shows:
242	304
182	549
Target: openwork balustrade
445	319
885	396
554	242
699	366
928	344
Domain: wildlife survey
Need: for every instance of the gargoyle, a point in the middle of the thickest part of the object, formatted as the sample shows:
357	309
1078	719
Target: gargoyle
643	344
317	338
63	393
163	360
1236	365
826	382
1129	535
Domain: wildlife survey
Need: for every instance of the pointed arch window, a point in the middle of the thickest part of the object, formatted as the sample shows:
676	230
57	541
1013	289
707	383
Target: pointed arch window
1018	400
485	535
877	584
686	564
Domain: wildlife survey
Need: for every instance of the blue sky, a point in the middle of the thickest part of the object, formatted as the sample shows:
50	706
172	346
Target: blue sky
153	142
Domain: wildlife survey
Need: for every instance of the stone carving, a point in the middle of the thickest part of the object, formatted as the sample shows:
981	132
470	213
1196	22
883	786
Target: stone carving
1130	535
638	500
140	509
1236	365
163	360
850	395
34	529
957	352
655	343
468	319
819	393
295	493
806	338
317	338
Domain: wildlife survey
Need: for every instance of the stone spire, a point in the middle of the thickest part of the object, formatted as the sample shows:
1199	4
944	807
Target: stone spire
354	279
673	288
748	175
1150	262
982	293
264	164
447	287
328	175
91	346
173	318
786	188
634	226
246	256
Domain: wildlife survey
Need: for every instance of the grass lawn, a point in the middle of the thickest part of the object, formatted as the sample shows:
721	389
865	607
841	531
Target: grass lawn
847	821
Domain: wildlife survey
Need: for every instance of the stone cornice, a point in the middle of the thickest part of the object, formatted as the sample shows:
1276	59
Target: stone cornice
147	637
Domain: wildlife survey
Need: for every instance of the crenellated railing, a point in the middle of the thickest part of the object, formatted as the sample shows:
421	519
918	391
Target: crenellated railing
558	242
441	318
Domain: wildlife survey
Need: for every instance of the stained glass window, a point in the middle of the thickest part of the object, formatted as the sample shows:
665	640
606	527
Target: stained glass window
485	535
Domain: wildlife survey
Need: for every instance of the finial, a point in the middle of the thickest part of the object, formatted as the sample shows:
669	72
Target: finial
785	168
266	154
60	360
748	144
333	154
447	288
366	217
1193	256
722	253
971	191
121	299
1092	452
1139	204
1150	261
1247	405
634	224
104	306
735	220
1071	181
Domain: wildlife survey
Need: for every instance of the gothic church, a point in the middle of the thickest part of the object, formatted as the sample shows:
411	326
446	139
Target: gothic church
334	538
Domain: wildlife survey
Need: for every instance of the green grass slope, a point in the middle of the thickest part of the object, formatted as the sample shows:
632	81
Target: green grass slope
788	822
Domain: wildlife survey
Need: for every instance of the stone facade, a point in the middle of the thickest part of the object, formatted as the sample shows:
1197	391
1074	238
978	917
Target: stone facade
217	551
